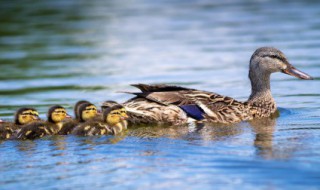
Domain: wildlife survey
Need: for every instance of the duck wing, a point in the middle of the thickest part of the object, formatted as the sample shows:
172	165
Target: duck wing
195	103
158	87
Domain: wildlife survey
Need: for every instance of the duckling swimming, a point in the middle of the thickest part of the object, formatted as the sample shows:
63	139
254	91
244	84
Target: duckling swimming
169	104
110	123
56	114
22	117
110	103
70	124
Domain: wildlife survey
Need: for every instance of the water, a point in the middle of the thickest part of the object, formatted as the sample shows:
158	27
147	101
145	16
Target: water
58	52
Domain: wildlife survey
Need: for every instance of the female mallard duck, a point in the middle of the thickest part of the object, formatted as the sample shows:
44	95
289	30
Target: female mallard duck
83	110
56	114
110	123
22	117
155	103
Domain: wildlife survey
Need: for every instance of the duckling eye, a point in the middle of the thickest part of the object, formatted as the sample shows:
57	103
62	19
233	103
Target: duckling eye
60	112
115	113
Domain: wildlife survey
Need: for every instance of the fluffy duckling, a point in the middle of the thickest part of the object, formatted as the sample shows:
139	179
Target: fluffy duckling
22	117
56	114
70	124
76	108
110	123
109	103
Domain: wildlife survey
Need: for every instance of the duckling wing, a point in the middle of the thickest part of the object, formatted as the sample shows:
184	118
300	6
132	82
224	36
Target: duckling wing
67	127
34	130
7	130
91	128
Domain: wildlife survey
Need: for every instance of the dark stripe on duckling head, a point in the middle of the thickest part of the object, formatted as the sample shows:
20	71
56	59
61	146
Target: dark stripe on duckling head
19	111
193	111
51	110
76	108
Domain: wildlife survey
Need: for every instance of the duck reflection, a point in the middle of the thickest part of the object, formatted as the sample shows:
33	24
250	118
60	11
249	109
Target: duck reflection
263	129
193	131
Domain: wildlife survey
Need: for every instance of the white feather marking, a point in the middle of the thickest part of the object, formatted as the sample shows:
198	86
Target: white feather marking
206	109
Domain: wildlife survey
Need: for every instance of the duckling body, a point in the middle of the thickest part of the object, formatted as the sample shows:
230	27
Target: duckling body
38	130
52	126
23	116
109	124
7	129
155	103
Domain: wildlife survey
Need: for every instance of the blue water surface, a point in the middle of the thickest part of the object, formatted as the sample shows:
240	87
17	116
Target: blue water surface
58	52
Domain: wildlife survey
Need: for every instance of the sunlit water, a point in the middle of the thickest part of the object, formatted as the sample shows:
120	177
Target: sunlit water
58	52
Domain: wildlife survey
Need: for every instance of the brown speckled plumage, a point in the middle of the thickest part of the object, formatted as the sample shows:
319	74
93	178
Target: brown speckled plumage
158	104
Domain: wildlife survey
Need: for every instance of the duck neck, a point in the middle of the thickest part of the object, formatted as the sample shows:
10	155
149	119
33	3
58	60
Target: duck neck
260	89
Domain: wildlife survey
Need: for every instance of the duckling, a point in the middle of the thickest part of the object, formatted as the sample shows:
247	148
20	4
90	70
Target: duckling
22	117
70	124
109	103
56	114
77	106
110	123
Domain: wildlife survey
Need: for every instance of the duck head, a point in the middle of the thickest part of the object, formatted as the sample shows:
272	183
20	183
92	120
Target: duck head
77	107
267	60
56	114
26	115
87	111
115	115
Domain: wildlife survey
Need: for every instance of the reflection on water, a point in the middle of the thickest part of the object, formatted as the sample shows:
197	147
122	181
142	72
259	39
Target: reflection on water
58	52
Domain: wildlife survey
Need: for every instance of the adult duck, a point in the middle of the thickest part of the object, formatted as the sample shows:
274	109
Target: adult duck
163	104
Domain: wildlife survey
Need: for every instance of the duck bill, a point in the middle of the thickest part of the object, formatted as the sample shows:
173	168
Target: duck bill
291	70
124	117
68	116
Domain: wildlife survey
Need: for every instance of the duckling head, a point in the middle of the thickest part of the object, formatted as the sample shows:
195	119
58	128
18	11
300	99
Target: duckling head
26	115
267	60
88	111
76	108
56	114
115	115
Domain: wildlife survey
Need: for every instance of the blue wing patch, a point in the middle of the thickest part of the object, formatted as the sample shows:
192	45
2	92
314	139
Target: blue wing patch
193	111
